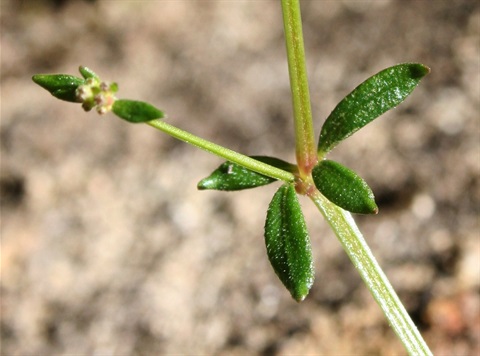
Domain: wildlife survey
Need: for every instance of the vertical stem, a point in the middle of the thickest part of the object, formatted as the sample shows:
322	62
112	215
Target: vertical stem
357	249
304	136
340	221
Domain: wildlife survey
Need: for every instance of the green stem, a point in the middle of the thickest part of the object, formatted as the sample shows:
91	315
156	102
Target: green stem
357	249
223	152
340	221
304	136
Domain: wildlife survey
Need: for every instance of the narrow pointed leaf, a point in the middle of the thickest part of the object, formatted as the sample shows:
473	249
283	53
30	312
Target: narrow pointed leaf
136	111
87	73
288	243
344	187
231	176
369	100
61	86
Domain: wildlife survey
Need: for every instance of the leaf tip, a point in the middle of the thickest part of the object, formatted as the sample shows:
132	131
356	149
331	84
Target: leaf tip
43	80
418	71
300	292
300	298
204	184
36	78
372	208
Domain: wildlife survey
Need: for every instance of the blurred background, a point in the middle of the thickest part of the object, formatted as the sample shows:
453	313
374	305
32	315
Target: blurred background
109	249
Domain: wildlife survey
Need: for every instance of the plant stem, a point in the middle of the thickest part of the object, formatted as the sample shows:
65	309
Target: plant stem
304	136
357	249
340	220
223	152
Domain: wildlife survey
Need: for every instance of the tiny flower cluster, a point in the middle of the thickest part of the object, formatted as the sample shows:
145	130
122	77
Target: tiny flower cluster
97	94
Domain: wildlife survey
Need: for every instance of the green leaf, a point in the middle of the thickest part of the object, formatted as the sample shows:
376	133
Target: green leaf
87	73
288	243
369	100
344	187
61	86
136	111
231	176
